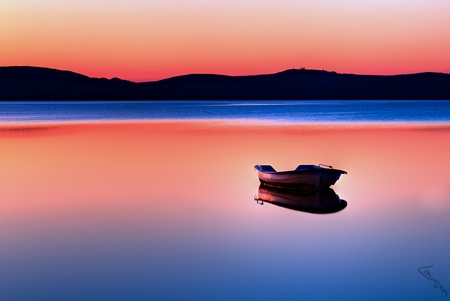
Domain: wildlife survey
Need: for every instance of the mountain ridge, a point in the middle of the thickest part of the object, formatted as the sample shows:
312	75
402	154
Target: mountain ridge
41	83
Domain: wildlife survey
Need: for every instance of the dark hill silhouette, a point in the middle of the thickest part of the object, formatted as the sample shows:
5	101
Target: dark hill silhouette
35	83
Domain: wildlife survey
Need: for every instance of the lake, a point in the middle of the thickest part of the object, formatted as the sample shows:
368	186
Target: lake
156	201
267	111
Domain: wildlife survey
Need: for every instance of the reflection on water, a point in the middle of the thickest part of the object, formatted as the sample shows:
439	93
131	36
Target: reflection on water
321	201
164	211
27	128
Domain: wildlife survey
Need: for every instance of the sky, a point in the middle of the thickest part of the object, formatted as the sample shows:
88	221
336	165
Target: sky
143	40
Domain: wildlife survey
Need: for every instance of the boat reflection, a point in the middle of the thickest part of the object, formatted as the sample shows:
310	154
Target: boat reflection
320	202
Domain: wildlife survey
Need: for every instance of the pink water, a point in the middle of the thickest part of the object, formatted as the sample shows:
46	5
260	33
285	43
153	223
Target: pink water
166	210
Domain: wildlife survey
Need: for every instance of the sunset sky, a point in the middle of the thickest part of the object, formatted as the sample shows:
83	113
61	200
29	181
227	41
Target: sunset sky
144	40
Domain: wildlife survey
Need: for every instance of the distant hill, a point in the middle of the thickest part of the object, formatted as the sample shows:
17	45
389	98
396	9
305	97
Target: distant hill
35	83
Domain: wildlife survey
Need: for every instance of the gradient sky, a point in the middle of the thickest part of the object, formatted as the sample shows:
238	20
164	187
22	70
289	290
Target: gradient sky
153	39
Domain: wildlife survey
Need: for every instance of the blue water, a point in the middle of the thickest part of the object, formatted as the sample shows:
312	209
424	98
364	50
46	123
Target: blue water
133	213
277	111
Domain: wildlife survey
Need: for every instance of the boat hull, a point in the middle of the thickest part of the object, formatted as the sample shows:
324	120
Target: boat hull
315	176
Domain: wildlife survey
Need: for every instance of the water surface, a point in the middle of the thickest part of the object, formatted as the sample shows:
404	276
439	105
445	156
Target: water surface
273	111
164	210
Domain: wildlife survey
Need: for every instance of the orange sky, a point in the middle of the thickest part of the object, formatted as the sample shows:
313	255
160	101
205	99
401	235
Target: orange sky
149	40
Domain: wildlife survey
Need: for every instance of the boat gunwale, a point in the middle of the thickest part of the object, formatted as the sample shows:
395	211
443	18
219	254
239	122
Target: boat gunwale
316	168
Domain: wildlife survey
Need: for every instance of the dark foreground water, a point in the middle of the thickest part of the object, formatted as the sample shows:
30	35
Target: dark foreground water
164	208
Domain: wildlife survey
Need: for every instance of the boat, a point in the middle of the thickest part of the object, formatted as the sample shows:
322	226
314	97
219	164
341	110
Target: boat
322	202
303	177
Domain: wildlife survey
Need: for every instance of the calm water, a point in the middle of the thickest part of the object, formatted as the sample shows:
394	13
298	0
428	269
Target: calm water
278	111
161	205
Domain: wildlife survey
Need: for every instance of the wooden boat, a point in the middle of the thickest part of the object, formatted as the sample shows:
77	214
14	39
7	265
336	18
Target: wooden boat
303	177
322	202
